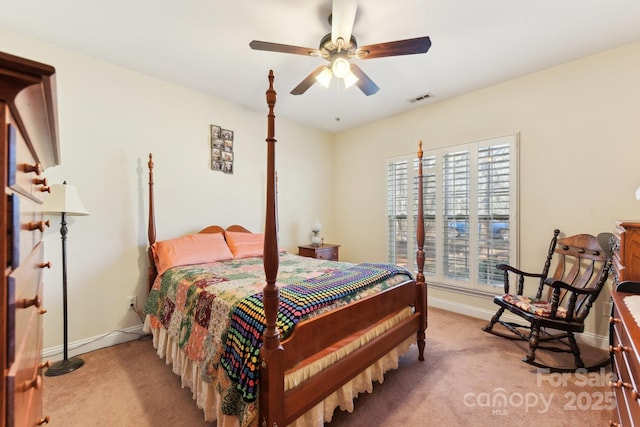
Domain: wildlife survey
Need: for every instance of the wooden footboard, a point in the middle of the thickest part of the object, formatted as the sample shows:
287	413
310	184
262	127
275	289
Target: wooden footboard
313	336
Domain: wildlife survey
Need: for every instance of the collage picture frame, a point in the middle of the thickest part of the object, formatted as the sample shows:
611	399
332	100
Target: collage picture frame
222	156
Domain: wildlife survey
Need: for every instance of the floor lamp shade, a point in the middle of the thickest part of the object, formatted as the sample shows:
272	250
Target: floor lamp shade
64	199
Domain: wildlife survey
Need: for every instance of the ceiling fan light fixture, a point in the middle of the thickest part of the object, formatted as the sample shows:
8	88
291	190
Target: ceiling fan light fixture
350	79
340	46
324	78
340	67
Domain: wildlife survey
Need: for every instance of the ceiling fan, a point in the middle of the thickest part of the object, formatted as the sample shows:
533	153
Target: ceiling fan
340	46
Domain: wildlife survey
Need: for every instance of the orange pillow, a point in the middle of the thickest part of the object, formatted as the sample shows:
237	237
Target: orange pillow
192	249
245	245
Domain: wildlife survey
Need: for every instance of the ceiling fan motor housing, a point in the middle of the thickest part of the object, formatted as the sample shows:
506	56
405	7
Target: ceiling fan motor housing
328	48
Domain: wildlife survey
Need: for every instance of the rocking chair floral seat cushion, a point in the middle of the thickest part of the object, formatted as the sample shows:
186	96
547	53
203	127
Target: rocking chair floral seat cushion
539	307
562	301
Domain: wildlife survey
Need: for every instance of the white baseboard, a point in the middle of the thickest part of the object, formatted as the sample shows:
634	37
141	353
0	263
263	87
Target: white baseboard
598	341
87	345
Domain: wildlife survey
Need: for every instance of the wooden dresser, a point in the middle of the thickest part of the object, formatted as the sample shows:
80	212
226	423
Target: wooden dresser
29	137
625	344
625	331
324	251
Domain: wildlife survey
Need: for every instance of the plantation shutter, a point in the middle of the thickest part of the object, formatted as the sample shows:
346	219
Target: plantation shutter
456	178
494	202
397	227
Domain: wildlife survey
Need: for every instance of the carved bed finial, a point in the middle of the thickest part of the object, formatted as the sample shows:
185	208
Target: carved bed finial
271	102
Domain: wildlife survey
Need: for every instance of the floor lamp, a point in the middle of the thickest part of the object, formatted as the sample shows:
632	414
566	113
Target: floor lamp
64	200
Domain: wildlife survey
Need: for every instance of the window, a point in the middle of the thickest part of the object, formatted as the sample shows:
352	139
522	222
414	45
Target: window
470	216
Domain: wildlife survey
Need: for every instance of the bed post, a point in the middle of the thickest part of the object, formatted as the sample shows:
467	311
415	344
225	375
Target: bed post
271	392
151	232
421	287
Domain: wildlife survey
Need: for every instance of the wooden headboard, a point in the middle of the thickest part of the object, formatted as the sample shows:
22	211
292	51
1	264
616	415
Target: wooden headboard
218	229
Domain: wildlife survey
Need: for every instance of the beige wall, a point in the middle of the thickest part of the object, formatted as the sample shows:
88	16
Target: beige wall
110	119
579	127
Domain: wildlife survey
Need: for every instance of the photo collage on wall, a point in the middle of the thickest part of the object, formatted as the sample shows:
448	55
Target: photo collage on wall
221	149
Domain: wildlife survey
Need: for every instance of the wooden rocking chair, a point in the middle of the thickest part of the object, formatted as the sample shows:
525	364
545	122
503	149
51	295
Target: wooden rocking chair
582	266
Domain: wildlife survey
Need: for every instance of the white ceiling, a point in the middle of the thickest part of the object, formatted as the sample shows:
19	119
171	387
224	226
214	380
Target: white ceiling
204	45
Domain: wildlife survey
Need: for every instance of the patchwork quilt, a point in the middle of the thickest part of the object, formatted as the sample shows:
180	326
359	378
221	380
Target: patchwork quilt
215	311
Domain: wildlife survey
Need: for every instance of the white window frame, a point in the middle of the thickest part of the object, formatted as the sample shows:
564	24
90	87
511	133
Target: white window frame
475	245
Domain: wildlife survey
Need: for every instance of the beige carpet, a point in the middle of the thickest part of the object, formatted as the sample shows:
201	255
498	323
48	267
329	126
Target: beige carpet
469	378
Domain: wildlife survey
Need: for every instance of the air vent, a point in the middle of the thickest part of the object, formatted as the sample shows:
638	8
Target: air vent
422	97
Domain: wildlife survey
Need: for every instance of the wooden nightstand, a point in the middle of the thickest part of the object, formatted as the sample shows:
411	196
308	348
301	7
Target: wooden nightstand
324	251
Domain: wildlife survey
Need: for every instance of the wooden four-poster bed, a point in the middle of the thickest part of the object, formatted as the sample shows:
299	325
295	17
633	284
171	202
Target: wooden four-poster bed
303	355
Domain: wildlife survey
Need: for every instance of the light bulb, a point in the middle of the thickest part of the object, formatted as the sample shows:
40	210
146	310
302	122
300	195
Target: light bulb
340	67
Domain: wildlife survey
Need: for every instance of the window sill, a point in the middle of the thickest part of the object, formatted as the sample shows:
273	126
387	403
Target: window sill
465	291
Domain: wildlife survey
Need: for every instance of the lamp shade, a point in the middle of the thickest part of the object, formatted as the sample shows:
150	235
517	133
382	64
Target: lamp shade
64	198
324	78
638	193
350	79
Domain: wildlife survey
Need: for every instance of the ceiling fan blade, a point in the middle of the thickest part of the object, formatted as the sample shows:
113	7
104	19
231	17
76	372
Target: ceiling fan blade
400	47
284	48
343	15
364	83
308	81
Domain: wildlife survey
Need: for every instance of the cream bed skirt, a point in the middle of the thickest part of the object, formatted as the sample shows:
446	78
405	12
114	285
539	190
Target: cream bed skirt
207	398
